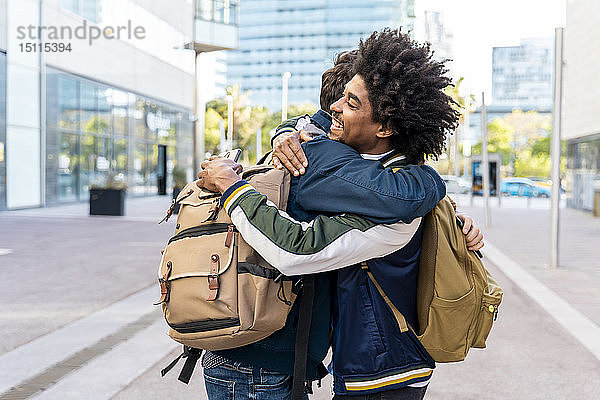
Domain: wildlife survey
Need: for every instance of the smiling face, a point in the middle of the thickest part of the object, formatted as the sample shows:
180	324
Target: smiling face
353	123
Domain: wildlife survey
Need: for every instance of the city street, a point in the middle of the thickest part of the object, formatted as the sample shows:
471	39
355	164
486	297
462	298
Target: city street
78	320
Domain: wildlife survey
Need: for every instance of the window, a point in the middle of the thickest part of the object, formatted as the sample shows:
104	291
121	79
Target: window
95	132
68	167
88	9
222	11
68	103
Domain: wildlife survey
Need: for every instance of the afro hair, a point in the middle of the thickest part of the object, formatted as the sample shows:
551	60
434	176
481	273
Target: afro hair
405	86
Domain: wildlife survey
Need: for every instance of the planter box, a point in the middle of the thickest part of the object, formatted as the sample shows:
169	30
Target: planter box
107	202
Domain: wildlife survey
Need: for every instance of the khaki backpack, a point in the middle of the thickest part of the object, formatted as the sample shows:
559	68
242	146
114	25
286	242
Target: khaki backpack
216	291
457	298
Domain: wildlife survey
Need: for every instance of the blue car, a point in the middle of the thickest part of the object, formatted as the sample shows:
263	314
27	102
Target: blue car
521	187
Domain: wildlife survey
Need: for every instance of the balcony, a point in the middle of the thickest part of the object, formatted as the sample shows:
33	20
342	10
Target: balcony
215	25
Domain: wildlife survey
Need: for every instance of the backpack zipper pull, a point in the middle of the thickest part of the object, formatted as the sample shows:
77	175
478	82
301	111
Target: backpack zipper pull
229	237
172	207
213	212
169	213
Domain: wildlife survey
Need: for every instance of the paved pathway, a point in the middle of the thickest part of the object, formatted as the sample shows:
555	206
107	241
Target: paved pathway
523	234
78	322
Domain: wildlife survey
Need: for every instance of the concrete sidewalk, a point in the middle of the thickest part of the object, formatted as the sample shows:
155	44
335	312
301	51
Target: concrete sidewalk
521	230
136	208
80	324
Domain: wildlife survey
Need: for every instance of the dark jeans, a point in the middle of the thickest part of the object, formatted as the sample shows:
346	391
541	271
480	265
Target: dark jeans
406	393
234	381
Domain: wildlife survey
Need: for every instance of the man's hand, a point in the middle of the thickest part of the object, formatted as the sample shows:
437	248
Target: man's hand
472	233
218	174
288	153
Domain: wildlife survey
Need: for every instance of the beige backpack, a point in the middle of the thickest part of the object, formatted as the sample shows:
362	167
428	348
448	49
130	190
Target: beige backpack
216	291
457	298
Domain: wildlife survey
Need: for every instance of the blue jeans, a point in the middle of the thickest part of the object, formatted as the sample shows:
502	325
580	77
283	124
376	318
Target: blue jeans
234	381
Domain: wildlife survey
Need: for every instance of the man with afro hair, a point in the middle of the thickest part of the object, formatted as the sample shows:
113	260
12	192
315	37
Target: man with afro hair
392	110
405	91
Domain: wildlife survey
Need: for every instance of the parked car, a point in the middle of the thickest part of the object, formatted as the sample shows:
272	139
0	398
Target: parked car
543	189
522	187
544	186
455	184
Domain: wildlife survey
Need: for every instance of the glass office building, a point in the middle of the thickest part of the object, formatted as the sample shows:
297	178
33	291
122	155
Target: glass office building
113	110
2	130
302	37
97	132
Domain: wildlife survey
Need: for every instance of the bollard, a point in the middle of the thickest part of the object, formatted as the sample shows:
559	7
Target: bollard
597	203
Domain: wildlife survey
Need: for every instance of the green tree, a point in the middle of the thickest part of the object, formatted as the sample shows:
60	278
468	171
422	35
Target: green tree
462	104
294	110
212	135
522	139
500	138
247	120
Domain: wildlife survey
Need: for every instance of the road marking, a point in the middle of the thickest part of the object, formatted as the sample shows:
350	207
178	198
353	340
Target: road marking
111	372
576	323
4	252
55	373
31	359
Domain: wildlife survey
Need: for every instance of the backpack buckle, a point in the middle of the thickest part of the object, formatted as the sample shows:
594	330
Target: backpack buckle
213	278
165	287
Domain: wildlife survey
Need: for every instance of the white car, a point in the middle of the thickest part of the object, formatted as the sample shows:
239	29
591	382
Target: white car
455	184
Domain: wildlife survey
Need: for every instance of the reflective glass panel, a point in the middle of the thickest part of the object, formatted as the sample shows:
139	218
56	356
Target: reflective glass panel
70	5
89	108
95	162
68	167
120	104
139	169
153	120
104	110
119	159
152	181
68	89
87	161
171	160
139	116
89	10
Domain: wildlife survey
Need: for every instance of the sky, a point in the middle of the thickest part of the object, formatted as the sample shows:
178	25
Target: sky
479	25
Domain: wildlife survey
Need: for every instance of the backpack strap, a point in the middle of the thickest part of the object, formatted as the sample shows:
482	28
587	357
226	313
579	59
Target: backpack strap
266	158
191	355
402	324
302	336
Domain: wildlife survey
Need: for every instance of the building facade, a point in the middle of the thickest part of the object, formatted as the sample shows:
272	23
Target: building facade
522	75
100	91
436	32
302	37
581	105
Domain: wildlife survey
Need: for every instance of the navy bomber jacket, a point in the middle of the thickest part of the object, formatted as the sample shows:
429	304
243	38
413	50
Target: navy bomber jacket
338	182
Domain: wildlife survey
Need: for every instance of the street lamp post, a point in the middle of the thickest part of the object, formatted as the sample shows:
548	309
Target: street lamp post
485	162
555	145
258	143
229	122
284	94
199	115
